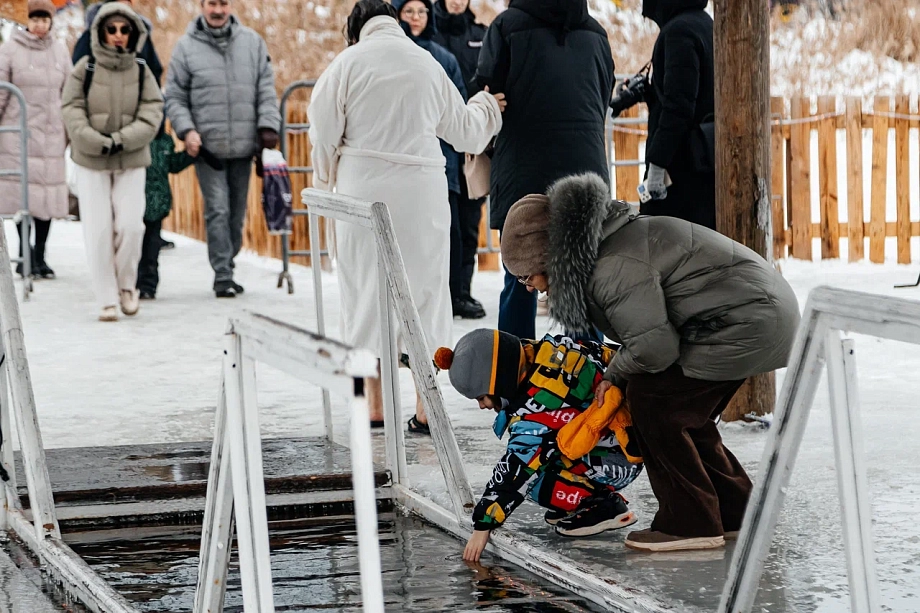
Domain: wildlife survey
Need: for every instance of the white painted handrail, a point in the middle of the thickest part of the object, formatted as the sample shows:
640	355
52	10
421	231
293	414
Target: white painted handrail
236	484
394	294
828	312
42	533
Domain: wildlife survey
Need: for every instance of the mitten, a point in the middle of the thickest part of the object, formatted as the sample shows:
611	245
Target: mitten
581	435
655	182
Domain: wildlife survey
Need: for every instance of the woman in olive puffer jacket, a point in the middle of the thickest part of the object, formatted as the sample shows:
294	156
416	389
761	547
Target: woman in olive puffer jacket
111	124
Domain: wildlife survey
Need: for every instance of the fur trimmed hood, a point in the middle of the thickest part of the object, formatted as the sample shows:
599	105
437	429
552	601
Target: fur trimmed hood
581	215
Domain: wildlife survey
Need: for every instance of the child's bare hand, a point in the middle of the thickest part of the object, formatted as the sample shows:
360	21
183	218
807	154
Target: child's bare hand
601	391
476	545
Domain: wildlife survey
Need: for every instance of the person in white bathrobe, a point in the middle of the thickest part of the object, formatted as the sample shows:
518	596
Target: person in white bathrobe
376	114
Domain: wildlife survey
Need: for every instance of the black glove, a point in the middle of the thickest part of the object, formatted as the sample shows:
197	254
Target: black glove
268	138
112	148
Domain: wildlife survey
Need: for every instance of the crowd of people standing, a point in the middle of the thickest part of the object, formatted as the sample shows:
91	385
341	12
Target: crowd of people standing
421	87
107	101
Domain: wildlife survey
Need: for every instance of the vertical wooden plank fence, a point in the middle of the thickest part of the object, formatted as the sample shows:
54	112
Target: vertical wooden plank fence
778	177
902	177
827	153
879	179
855	215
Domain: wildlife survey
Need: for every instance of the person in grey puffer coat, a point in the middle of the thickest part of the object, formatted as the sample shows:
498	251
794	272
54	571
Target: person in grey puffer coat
696	314
220	97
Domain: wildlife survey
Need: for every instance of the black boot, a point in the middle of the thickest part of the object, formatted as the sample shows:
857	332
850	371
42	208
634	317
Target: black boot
464	308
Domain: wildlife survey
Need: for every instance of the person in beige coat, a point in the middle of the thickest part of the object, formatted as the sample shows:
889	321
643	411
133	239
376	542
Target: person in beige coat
37	64
111	124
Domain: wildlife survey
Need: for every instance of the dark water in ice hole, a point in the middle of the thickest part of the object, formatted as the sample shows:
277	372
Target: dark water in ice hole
315	568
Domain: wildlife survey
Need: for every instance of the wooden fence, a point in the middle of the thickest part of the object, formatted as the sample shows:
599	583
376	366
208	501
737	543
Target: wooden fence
822	176
822	179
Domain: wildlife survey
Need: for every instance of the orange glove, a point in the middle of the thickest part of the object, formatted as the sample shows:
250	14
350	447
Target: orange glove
582	434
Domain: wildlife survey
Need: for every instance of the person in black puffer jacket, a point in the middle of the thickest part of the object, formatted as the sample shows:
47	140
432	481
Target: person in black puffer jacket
558	88
458	32
682	96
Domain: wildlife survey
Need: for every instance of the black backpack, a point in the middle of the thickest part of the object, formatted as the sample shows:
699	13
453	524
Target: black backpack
91	69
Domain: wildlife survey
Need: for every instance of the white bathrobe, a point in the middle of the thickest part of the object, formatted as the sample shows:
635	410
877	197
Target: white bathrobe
376	114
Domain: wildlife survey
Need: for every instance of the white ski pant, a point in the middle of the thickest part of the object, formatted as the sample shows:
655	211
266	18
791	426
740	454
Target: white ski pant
112	204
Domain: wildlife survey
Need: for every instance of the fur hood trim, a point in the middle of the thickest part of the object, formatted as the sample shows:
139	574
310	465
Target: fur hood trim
579	209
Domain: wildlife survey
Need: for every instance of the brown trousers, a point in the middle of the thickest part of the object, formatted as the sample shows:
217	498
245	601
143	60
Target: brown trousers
701	488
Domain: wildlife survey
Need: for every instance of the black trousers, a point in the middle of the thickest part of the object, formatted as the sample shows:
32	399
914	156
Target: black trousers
465	215
42	228
148	273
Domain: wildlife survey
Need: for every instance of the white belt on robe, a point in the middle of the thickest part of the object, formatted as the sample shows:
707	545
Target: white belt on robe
395	158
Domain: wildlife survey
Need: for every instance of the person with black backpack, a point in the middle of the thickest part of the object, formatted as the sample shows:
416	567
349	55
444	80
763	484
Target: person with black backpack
112	111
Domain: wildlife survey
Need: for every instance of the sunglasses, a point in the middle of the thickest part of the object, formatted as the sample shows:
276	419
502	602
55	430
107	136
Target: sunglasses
124	30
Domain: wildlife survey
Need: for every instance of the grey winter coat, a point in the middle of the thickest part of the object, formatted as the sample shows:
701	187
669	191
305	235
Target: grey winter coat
39	67
226	95
669	291
117	110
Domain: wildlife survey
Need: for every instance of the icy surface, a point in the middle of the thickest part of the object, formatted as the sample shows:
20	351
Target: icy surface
154	378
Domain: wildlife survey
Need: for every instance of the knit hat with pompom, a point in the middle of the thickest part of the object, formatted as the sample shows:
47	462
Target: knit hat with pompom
484	362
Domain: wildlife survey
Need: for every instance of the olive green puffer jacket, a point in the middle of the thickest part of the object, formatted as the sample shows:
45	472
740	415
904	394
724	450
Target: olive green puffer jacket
668	290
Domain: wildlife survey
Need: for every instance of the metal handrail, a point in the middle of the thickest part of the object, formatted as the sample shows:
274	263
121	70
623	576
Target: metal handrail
286	252
23	174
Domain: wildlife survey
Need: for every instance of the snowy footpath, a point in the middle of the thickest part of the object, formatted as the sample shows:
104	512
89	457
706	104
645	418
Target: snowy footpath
154	378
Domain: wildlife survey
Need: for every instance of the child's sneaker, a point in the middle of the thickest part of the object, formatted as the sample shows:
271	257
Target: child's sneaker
598	515
553	516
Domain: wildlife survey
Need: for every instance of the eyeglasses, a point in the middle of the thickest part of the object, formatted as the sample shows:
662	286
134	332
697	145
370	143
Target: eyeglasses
415	12
524	280
124	30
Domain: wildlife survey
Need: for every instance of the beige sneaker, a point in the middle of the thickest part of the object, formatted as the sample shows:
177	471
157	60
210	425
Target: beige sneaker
130	301
650	540
109	313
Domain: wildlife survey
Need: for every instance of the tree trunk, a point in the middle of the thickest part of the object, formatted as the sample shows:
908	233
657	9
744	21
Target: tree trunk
742	108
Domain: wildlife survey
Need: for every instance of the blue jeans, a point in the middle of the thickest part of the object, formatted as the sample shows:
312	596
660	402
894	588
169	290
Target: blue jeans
517	309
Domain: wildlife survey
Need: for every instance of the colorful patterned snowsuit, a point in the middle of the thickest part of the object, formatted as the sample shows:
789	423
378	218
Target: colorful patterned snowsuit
559	385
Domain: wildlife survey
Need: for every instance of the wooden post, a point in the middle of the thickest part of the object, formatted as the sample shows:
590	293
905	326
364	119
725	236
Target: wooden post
778	164
879	194
855	215
902	176
626	149
487	261
743	186
800	179
827	154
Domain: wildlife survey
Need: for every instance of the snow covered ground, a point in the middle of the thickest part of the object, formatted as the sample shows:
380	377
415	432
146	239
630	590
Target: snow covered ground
154	377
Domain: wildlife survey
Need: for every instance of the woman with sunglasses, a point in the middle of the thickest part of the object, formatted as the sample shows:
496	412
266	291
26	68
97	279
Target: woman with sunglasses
112	109
37	63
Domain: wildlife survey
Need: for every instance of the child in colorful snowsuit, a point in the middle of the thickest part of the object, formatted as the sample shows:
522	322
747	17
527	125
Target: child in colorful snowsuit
164	160
536	387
